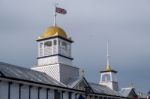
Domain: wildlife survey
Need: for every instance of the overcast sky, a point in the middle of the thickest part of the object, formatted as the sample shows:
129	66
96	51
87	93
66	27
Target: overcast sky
90	23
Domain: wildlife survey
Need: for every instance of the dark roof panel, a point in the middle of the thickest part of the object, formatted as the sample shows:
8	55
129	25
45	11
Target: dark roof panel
97	88
12	71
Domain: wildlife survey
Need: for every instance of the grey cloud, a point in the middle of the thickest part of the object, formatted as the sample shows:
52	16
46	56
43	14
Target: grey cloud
126	23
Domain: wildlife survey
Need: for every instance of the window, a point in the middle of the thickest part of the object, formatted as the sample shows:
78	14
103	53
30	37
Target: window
100	97
55	42
106	77
105	97
48	43
75	96
47	48
64	45
41	49
70	94
41	44
57	95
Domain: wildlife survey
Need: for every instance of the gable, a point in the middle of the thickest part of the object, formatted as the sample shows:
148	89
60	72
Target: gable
132	94
128	92
1	74
83	85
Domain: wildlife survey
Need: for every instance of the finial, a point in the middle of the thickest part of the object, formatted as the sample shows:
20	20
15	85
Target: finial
131	85
107	64
82	73
107	52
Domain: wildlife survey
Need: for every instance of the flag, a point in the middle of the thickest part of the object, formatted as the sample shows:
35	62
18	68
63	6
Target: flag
61	10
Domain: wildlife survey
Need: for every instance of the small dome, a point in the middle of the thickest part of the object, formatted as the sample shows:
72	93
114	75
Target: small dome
107	68
53	31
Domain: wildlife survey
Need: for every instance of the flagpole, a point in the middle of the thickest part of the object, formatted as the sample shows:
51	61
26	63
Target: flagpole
55	14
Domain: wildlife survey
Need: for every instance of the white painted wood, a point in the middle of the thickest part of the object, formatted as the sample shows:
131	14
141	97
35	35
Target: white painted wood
14	91
65	50
51	94
112	83
65	95
59	72
34	93
51	70
114	77
73	96
3	90
54	60
43	93
62	47
25	92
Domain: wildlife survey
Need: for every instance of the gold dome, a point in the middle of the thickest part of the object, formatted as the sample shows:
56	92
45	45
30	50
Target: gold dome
53	31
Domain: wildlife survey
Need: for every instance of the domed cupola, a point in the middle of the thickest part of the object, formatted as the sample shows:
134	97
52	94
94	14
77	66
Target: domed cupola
52	32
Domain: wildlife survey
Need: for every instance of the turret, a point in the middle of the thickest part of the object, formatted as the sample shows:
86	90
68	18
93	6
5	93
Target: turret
108	77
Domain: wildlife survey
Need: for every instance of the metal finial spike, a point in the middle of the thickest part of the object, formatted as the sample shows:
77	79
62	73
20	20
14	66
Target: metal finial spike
108	53
108	64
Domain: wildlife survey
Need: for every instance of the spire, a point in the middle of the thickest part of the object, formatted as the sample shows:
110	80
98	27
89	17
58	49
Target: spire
108	76
107	68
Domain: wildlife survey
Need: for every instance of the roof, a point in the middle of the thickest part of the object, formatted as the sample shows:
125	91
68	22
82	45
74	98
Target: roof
97	88
108	69
16	72
126	91
53	31
13	71
72	82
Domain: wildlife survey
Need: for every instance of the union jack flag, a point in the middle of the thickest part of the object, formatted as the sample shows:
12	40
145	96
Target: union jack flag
61	10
